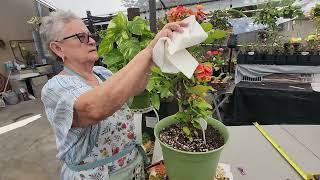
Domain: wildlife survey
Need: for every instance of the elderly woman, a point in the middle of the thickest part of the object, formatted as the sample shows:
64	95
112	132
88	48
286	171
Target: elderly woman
86	105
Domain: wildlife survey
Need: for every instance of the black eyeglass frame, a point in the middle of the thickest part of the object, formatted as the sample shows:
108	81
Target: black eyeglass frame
78	35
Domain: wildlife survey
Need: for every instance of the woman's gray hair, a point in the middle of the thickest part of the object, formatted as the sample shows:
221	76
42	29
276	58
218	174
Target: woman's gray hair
52	27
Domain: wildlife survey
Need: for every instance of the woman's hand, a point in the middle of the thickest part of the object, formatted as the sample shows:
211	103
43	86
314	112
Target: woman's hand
167	31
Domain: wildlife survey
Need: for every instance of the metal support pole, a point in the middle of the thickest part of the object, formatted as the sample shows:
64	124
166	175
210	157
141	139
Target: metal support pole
153	15
230	59
90	22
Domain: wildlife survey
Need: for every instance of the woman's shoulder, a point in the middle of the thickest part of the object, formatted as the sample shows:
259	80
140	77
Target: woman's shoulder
60	84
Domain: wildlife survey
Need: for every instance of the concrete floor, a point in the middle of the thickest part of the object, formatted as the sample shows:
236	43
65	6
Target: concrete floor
28	152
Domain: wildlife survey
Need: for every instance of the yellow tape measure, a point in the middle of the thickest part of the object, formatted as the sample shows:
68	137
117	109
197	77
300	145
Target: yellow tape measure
303	174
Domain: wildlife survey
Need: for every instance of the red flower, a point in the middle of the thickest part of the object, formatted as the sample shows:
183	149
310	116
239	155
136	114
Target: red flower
203	72
209	53
181	12
215	53
123	126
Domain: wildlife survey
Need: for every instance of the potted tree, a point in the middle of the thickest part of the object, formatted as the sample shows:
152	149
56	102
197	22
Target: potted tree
189	151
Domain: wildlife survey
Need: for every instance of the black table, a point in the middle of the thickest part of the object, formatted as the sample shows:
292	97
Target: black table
273	103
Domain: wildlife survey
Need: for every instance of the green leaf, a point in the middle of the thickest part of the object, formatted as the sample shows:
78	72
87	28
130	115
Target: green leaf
165	89
196	123
186	131
119	22
113	57
202	104
147	33
182	116
164	92
144	43
199	89
129	48
155	100
105	46
206	26
215	34
122	37
137	26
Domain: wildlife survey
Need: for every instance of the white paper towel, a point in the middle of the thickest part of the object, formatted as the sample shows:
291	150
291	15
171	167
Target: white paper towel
171	55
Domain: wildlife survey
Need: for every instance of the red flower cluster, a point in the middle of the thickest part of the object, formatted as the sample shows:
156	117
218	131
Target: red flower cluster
204	72
181	12
215	53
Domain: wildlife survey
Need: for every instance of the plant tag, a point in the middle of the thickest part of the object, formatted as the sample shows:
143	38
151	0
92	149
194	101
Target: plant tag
151	122
204	125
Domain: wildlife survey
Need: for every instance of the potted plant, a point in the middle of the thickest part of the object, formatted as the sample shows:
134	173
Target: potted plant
313	45
250	53
291	11
121	41
281	53
316	10
304	55
314	14
241	57
268	15
293	48
187	154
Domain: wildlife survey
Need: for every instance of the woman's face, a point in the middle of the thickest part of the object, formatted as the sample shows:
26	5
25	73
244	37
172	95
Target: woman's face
77	48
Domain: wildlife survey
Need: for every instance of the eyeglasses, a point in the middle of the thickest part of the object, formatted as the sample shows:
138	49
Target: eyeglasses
83	37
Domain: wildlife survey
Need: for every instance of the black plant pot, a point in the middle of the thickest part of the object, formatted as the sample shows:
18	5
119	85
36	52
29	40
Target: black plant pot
292	59
304	60
270	59
250	59
241	59
315	60
281	60
259	57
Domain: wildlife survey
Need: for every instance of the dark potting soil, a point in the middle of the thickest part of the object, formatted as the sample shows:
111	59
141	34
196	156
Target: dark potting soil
176	138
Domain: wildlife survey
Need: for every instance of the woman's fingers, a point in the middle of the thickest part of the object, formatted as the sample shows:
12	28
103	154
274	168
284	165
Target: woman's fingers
169	33
177	26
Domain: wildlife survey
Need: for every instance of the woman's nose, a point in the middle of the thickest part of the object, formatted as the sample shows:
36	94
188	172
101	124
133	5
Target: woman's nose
92	41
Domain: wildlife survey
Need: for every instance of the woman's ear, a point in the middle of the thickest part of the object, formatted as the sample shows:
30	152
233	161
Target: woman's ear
56	48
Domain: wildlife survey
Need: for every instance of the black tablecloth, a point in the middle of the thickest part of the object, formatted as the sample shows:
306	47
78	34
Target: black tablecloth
273	103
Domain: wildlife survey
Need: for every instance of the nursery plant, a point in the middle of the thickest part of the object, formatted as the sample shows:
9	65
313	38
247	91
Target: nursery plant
123	40
189	151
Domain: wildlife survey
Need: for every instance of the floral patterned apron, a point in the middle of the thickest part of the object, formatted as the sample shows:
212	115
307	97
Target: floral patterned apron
115	134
